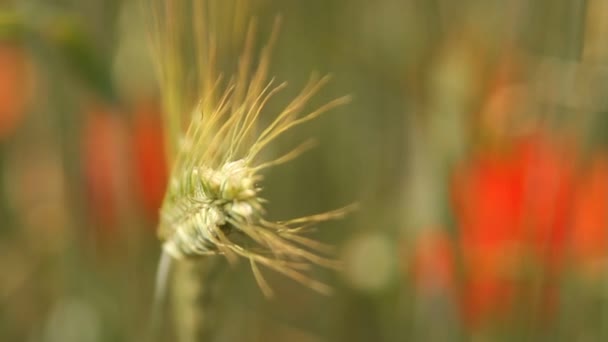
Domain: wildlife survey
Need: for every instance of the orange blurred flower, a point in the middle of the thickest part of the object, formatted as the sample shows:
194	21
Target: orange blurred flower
589	237
103	154
512	210
15	87
119	163
432	266
150	165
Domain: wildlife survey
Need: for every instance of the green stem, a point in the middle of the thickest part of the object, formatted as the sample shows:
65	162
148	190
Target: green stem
196	288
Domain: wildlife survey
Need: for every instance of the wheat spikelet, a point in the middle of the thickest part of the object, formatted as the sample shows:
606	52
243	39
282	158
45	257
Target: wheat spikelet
213	203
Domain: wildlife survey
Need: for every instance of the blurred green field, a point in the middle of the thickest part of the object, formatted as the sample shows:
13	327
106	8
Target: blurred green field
475	146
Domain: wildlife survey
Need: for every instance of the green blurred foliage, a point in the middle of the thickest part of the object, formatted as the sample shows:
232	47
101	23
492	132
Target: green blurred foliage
419	72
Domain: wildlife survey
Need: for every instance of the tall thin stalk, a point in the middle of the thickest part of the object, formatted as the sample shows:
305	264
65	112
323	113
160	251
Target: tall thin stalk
213	205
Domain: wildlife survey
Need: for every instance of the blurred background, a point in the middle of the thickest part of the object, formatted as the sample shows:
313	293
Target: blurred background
476	147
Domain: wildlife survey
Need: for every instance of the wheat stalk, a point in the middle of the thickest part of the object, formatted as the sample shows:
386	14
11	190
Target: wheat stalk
213	204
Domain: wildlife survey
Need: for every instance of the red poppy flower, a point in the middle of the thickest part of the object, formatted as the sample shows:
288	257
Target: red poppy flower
150	164
511	209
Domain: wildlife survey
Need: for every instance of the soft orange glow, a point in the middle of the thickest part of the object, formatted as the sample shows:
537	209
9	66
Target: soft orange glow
589	244
15	76
103	147
433	262
149	160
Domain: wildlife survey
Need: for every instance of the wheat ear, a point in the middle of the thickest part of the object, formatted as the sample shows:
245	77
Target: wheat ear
213	204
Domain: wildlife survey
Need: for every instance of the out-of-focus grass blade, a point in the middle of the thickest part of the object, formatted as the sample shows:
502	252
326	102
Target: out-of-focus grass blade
77	50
